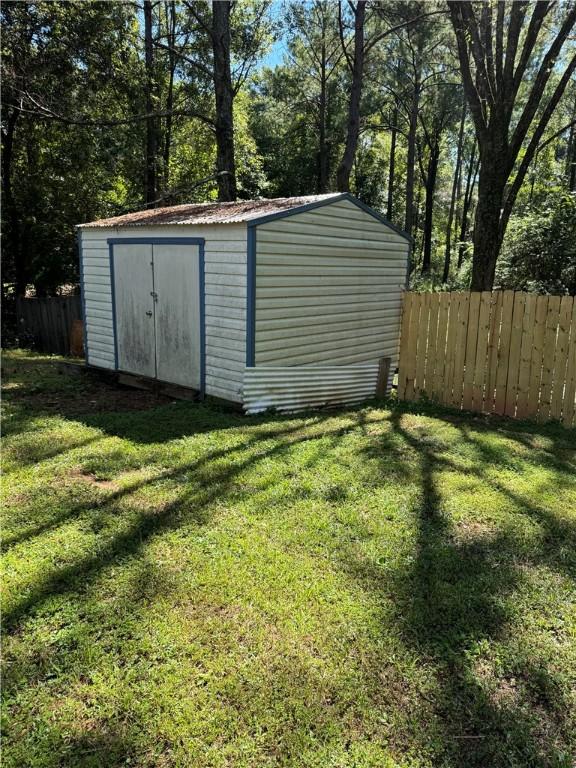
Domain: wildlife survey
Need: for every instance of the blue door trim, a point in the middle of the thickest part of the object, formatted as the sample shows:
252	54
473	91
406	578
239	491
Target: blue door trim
201	243
251	257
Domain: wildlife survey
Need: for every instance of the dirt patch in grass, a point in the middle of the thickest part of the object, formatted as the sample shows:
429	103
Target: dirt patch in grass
104	397
89	477
41	385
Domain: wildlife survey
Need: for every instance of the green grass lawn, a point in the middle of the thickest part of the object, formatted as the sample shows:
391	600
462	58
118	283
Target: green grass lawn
373	587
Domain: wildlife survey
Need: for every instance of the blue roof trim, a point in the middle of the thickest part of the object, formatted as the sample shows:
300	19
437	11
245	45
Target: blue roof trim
328	201
201	243
379	217
298	209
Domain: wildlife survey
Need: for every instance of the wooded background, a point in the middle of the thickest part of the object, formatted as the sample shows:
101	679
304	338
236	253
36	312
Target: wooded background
457	120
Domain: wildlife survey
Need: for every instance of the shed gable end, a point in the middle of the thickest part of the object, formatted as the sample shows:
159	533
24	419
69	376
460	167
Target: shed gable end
328	286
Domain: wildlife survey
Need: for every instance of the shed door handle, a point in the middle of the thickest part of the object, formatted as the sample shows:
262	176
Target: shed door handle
149	313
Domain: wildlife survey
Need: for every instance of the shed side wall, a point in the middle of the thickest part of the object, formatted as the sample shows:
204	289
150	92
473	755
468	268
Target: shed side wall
329	285
225	266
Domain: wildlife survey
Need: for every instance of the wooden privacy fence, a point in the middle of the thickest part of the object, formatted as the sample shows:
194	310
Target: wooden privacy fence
503	352
47	323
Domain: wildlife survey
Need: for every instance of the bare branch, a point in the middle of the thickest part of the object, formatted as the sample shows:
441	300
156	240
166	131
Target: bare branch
476	106
535	140
376	39
544	73
42	111
188	59
343	42
555	135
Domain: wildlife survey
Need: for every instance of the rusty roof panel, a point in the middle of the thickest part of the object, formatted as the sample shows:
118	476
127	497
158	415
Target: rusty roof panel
208	213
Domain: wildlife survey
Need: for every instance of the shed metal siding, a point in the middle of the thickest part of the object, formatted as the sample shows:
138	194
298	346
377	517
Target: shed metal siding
297	387
329	285
225	309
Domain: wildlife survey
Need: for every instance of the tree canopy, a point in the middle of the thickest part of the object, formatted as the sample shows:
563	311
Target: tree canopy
455	119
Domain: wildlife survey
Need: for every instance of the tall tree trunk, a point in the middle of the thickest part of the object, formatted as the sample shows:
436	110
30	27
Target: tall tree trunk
411	158
488	230
225	160
492	84
430	187
322	146
392	164
353	123
455	187
571	154
572	173
150	182
470	180
171	35
11	233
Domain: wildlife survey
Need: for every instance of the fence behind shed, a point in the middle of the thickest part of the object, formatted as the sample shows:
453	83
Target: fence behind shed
503	352
46	324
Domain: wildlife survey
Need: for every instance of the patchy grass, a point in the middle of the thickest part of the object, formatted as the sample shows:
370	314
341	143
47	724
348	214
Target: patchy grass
374	587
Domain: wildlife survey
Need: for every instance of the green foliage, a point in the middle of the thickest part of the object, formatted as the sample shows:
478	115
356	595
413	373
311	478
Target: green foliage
74	127
539	253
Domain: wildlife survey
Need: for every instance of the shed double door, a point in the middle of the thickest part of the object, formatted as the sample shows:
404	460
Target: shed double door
157	311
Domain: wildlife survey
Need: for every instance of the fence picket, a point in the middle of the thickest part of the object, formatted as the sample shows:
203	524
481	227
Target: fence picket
506	352
503	352
480	363
47	322
404	343
537	356
422	349
460	352
515	347
561	357
451	347
550	334
439	368
412	346
470	354
492	357
528	322
569	405
432	356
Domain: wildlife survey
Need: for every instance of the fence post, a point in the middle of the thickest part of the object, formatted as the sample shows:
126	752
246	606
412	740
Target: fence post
383	373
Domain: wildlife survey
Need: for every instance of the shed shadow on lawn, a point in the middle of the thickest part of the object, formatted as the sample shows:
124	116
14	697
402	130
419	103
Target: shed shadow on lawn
453	597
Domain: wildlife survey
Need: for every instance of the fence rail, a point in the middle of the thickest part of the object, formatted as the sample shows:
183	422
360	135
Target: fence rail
503	352
47	323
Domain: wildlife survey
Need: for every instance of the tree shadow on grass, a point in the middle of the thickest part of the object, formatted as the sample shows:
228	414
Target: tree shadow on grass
204	480
455	597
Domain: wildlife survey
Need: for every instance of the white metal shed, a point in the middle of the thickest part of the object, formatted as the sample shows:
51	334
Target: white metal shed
270	303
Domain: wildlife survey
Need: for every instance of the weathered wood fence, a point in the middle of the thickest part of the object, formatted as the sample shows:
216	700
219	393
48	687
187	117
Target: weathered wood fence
504	352
46	324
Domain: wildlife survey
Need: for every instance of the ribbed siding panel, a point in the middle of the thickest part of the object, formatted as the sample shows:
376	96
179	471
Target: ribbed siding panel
225	265
290	388
329	284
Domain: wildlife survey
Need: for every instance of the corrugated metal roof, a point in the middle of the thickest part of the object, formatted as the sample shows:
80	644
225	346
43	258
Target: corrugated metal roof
209	213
